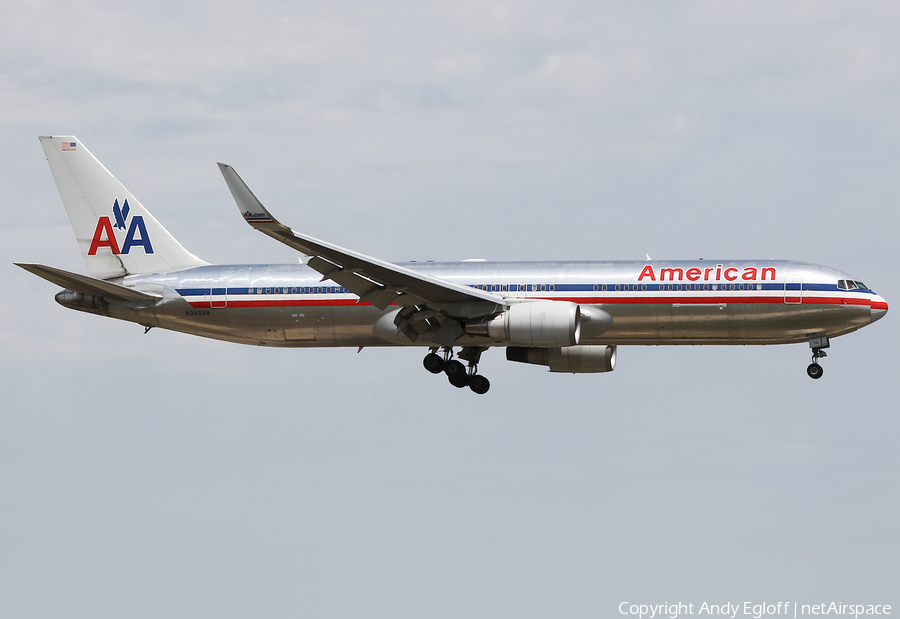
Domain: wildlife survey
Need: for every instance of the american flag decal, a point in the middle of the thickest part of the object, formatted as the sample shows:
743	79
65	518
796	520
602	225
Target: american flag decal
68	145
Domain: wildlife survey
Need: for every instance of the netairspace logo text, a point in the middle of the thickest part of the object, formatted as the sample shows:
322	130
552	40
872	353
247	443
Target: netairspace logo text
752	609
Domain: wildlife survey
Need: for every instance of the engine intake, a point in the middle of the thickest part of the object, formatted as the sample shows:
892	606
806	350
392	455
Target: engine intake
541	324
574	359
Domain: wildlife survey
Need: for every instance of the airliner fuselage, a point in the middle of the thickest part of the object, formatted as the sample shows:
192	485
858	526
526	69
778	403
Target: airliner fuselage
683	302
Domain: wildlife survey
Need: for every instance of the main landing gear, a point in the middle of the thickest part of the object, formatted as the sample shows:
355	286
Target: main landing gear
458	374
817	344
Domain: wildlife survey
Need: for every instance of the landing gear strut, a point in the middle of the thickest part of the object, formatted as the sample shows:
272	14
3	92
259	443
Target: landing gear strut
817	344
458	374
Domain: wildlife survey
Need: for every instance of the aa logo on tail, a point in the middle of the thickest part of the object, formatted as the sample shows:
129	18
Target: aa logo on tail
121	215
104	235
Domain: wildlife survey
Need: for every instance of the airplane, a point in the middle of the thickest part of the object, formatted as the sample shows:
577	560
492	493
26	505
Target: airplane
567	316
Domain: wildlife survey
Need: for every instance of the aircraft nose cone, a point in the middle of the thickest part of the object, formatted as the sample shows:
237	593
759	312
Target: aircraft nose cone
879	309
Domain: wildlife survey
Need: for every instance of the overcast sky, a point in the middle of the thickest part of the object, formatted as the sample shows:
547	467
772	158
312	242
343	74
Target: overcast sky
164	475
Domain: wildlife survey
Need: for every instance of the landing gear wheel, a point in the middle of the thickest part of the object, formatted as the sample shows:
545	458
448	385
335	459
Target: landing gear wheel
433	363
456	373
459	381
479	384
454	368
814	370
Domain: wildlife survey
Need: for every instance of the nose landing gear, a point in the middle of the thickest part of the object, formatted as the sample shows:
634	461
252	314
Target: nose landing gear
458	374
814	370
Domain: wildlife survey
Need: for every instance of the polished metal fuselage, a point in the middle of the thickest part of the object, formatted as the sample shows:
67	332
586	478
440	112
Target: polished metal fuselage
676	302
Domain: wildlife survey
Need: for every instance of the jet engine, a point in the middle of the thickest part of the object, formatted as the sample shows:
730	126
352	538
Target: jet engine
574	359
547	324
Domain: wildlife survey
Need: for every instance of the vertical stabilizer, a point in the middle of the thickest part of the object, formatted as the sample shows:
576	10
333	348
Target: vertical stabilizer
116	234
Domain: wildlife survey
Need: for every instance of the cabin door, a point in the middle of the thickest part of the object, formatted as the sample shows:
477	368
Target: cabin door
793	289
219	294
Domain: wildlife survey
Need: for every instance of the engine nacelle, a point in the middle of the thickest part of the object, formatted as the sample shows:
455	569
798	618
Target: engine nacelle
573	359
543	324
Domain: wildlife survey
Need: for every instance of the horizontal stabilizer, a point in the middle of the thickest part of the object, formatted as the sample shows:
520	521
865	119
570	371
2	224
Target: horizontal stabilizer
89	285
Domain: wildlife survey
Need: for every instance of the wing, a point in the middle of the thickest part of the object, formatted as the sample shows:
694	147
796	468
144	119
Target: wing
374	281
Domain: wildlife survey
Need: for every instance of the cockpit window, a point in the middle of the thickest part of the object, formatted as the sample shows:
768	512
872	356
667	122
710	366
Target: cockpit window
849	284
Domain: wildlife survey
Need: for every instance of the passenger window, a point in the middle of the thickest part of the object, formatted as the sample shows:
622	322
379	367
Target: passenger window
618	287
552	287
604	287
643	286
596	287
